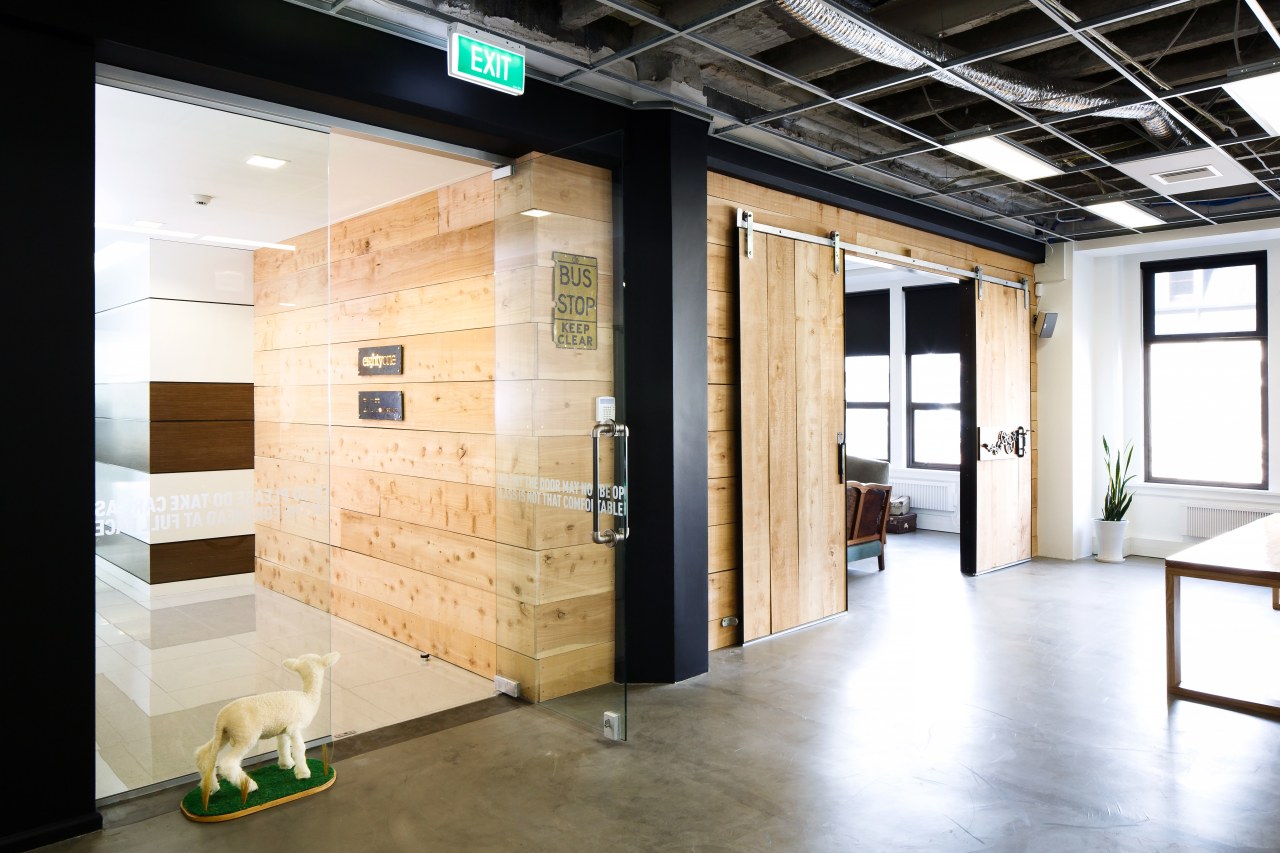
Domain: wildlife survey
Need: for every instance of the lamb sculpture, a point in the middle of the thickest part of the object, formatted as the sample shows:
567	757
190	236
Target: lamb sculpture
243	722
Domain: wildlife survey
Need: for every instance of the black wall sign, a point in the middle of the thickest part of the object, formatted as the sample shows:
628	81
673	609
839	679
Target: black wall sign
375	360
382	405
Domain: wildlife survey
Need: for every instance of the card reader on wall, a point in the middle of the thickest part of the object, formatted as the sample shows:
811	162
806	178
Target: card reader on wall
605	409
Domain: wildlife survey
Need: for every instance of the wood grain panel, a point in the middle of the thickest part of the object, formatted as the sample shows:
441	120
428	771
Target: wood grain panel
722	269
575	670
310	250
724	594
784	567
465	559
466	204
556	185
461	303
289	441
465	608
458	507
722	547
178	446
722	501
722	314
447	257
542	631
167	562
722	636
722	361
305	289
1003	403
298	586
296	553
722	407
444	406
456	457
427	635
722	455
406	221
201	401
555	574
753	325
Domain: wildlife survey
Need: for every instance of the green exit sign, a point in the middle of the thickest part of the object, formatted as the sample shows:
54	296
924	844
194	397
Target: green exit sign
486	60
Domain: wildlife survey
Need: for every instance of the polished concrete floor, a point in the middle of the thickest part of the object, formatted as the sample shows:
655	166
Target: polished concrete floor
1023	710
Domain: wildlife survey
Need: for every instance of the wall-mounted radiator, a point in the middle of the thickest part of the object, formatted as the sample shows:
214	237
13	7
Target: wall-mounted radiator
926	496
1206	521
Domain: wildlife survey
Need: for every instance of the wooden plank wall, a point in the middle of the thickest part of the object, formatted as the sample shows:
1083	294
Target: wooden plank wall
724	196
407	506
402	526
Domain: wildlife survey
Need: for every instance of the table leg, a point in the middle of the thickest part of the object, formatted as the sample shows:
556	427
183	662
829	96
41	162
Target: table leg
1173	627
1275	598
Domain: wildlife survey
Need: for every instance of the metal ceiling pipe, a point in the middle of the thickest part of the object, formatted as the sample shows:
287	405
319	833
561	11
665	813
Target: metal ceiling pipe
1024	90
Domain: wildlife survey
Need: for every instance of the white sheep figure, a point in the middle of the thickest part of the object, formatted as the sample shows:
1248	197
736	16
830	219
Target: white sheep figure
282	714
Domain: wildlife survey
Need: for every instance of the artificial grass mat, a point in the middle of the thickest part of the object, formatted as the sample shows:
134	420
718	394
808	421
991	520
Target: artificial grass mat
275	786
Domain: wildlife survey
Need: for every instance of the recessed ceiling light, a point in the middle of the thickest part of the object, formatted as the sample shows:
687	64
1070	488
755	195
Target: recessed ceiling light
257	244
535	212
138	229
994	153
147	223
265	162
1123	213
1260	96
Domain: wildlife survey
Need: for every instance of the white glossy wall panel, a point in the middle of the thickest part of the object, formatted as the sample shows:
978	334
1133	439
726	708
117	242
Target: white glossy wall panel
120	272
201	273
201	342
156	508
122	343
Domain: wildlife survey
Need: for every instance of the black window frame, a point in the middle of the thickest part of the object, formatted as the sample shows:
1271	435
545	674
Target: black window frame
931	326
1259	333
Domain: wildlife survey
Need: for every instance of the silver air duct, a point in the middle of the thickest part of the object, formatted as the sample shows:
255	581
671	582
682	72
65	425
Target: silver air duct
979	77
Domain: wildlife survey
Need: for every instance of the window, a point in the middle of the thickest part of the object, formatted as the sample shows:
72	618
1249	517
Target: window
1204	324
933	409
866	374
933	376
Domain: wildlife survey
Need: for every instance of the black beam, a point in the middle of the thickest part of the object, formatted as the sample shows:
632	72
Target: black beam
665	316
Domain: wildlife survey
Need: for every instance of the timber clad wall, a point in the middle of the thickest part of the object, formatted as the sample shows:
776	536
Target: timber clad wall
724	196
398	526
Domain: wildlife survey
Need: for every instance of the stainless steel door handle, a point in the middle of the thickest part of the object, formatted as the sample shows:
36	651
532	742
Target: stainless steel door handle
619	432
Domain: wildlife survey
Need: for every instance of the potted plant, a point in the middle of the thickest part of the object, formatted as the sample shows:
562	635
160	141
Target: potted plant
1110	528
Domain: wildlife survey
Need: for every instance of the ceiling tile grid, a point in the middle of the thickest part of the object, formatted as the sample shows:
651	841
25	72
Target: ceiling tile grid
1145	104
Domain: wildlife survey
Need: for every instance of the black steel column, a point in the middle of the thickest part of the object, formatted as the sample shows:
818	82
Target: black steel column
49	629
665	317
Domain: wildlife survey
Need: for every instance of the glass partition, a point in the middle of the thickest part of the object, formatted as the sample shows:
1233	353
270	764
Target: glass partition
211	427
562	498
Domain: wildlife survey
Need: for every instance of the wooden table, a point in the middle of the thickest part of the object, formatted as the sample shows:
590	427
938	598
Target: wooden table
1248	555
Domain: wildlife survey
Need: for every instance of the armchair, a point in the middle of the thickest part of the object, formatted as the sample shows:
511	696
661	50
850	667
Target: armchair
866	508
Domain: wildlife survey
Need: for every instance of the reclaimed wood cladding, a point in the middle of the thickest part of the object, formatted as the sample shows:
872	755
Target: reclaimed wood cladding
388	524
724	196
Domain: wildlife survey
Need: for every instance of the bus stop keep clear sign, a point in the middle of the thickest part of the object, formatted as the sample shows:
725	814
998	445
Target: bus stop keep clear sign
575	293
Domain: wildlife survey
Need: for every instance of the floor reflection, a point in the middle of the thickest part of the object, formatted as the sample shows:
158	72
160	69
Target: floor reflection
169	658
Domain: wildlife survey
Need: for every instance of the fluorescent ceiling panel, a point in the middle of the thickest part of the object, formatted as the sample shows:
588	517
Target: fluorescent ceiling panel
994	153
1123	213
1260	96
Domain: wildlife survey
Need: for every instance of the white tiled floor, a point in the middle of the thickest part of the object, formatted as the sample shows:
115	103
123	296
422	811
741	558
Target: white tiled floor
168	658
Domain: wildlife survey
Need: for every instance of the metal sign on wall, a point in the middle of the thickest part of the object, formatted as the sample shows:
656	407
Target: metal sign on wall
371	361
382	405
575	295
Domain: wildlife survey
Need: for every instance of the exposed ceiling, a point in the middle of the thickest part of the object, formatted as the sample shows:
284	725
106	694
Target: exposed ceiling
871	90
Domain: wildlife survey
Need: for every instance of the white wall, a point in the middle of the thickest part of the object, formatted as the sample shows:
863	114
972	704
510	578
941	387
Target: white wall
171	312
1091	384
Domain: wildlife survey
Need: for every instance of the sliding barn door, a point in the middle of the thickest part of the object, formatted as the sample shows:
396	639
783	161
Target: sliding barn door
996	424
791	333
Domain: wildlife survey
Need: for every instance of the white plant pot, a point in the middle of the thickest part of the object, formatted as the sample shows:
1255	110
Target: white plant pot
1110	536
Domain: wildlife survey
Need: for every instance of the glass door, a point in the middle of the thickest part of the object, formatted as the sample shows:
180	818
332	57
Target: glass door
563	517
212	429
